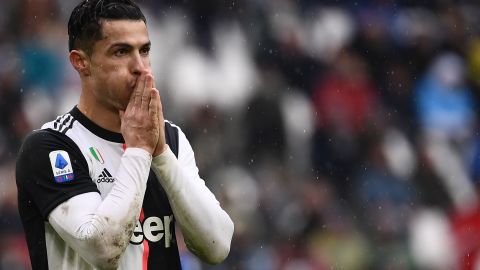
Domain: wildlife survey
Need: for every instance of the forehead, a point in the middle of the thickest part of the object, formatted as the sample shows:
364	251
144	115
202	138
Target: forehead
132	32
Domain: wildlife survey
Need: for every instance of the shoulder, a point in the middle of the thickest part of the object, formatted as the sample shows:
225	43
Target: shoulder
171	125
61	124
52	134
50	169
39	139
171	136
174	127
181	147
42	139
177	140
38	147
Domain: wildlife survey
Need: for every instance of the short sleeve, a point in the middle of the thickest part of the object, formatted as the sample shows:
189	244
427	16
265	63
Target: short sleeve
51	169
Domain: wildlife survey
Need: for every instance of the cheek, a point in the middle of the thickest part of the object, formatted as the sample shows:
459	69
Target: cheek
112	81
110	86
116	80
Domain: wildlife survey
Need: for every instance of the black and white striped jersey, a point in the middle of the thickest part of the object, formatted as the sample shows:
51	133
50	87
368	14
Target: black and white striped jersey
71	156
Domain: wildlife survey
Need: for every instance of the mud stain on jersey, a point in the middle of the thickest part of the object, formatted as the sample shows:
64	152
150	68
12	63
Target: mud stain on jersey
114	260
119	236
129	229
118	241
135	210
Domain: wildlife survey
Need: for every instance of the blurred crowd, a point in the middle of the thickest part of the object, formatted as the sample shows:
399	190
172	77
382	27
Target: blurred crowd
336	134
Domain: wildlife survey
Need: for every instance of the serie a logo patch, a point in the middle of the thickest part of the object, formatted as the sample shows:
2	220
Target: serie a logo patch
61	166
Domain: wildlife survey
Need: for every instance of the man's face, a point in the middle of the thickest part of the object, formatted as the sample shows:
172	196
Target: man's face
117	61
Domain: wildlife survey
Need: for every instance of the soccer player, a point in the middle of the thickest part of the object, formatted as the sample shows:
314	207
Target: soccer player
102	186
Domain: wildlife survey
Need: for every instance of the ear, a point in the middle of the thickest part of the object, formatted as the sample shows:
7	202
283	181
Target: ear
80	62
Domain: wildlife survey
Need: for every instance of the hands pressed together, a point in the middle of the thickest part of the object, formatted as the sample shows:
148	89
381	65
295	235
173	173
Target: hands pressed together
142	121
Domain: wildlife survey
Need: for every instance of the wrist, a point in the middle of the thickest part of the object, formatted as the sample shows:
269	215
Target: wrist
160	150
163	161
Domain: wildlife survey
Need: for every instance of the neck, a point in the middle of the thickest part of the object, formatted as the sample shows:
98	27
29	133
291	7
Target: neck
98	113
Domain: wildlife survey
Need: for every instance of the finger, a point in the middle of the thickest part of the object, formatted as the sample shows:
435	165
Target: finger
147	95
137	94
154	105
160	109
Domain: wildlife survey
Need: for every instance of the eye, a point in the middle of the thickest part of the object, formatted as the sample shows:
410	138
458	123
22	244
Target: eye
121	52
145	51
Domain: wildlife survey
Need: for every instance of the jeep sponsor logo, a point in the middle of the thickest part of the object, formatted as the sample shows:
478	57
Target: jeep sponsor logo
153	229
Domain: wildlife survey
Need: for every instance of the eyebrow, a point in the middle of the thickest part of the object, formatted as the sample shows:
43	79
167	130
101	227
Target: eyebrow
122	44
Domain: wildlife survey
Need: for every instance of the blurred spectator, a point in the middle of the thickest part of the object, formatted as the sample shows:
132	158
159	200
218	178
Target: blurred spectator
13	125
346	130
444	101
13	247
345	101
265	134
384	197
39	34
447	117
466	232
431	243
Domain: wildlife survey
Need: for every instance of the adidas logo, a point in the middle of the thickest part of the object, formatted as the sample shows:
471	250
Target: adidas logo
105	177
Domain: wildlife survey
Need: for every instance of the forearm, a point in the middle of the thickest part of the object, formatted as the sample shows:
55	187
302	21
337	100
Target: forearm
100	230
206	227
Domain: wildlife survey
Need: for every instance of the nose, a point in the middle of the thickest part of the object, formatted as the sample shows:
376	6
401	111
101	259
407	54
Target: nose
139	64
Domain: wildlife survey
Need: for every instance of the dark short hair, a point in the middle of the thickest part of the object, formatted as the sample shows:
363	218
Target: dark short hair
84	25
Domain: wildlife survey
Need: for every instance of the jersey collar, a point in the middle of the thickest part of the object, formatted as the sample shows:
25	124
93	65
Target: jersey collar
96	129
